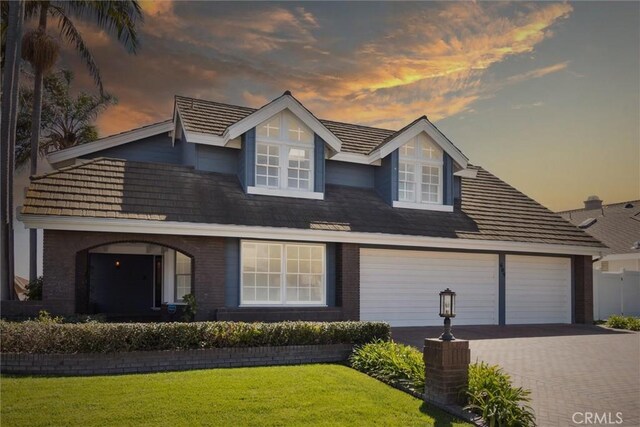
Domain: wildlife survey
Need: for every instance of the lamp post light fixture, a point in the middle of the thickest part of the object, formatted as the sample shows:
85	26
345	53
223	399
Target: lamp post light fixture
447	310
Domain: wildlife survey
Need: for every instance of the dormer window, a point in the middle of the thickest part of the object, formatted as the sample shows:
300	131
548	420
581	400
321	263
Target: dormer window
420	172
284	159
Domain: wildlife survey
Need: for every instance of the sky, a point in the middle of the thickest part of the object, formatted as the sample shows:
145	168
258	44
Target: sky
544	95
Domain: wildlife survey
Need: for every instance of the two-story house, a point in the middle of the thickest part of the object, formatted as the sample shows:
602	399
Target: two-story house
273	214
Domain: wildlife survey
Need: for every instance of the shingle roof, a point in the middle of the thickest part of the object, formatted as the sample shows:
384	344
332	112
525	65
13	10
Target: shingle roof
214	118
616	226
108	188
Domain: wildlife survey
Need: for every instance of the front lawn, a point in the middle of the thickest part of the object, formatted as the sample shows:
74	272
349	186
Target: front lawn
287	395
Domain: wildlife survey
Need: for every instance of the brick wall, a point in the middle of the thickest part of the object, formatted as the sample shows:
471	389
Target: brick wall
64	265
177	360
583	292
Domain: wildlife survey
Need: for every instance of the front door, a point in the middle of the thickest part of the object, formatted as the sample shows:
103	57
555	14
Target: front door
122	284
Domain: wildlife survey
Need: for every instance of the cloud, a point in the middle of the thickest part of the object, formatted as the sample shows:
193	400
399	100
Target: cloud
430	58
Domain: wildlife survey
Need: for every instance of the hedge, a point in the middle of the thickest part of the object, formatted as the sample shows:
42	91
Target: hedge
93	337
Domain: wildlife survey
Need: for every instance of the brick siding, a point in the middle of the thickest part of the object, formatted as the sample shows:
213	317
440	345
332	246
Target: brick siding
175	360
583	292
348	280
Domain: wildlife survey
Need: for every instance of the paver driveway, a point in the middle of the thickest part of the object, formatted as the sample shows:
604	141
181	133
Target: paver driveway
570	369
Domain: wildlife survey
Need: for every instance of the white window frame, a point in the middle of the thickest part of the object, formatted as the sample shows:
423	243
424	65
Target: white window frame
418	162
285	145
283	276
176	274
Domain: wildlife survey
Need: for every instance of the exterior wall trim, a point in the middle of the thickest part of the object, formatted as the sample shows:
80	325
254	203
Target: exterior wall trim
70	223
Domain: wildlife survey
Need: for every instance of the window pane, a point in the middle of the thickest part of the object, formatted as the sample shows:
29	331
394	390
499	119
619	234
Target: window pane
305	274
264	285
406	182
267	165
299	169
270	128
297	131
430	184
408	149
183	263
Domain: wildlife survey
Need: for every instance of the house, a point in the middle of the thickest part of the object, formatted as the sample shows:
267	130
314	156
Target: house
616	274
616	225
273	214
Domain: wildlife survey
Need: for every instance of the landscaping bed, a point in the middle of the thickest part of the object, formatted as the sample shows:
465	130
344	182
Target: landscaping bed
623	322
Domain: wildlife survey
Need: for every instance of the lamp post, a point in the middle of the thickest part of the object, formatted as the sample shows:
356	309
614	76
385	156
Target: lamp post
447	310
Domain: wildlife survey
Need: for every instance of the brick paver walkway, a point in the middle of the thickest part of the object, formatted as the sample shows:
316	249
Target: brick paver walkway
569	368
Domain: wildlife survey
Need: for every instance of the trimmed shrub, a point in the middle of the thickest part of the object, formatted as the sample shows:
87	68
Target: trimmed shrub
633	323
617	322
93	337
390	362
493	397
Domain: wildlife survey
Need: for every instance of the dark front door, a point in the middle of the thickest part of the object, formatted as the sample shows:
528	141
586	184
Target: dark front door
122	284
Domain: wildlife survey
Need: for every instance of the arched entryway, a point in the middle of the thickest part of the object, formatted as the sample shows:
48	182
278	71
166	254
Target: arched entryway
133	280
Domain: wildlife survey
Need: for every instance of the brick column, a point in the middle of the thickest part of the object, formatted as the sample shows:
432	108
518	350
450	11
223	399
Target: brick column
348	280
583	291
446	370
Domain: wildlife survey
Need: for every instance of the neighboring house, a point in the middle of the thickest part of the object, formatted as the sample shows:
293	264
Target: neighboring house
616	225
272	214
616	275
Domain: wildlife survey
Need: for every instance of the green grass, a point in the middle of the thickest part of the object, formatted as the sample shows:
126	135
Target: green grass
269	396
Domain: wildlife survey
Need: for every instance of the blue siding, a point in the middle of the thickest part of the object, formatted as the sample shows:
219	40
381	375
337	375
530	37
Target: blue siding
188	153
457	187
318	164
217	159
232	272
247	160
155	149
331	274
350	174
386	178
447	180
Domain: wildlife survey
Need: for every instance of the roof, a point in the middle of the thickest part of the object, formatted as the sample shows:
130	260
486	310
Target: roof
213	118
615	225
109	188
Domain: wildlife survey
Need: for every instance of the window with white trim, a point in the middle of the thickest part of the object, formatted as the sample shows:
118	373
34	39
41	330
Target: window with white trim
284	153
183	276
277	273
420	171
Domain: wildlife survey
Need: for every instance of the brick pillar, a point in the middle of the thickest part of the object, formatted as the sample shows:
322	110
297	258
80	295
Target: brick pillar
583	292
348	280
446	370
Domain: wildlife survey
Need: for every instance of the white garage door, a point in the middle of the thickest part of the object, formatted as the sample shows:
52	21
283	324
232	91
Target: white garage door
538	289
402	287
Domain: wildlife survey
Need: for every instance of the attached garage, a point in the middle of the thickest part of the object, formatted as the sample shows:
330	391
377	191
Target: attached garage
402	287
538	289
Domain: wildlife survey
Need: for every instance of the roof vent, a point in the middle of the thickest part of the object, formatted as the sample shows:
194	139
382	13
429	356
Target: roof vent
593	202
587	223
287	92
636	245
628	206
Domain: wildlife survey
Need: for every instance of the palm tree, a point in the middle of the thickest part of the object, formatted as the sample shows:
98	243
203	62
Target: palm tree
41	51
11	34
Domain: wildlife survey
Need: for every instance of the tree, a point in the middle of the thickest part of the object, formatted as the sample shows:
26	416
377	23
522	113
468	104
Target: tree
66	120
12	30
41	51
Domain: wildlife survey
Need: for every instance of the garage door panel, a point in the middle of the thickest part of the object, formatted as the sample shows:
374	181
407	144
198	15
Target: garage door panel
402	287
538	289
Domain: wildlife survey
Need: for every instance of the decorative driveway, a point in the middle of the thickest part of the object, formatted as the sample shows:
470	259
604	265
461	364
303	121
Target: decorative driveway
572	370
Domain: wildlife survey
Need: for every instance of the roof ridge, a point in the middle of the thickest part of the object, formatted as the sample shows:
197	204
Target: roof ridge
603	206
208	101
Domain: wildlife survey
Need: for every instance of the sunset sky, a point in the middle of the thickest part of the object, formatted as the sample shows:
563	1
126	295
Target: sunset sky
544	95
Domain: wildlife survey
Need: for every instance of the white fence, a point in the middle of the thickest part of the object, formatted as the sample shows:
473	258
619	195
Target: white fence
616	293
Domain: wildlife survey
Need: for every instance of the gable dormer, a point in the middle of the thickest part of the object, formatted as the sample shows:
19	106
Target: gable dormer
283	150
417	168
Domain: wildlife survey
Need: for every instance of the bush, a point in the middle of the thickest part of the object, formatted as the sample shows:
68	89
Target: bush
617	322
621	322
34	289
633	323
190	308
93	337
492	396
391	363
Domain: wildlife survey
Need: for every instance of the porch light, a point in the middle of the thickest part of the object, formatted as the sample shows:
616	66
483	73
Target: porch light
118	264
447	310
